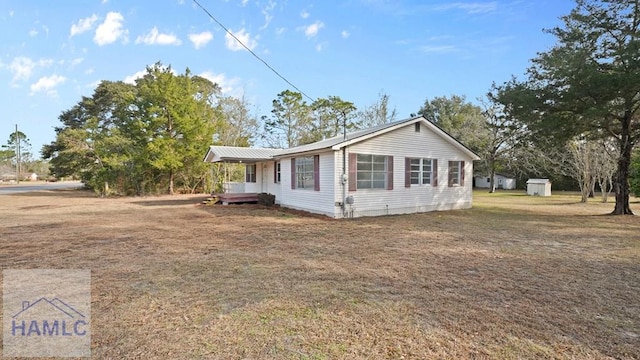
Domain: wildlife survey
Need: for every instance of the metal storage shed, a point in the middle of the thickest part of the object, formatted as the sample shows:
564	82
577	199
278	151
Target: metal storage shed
539	187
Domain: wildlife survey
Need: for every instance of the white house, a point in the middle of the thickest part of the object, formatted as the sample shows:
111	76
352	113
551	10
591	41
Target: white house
402	167
501	182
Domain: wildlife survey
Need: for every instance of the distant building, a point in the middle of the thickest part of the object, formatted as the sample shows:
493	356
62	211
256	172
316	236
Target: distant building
501	182
539	187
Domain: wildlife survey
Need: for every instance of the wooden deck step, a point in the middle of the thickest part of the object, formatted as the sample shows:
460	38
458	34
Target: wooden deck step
234	198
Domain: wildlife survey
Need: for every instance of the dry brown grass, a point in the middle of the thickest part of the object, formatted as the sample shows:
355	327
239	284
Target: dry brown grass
515	277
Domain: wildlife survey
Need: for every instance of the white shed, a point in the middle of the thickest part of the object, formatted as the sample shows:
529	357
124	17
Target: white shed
539	187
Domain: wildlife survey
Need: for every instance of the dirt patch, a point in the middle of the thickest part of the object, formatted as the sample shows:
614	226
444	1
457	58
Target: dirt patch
514	277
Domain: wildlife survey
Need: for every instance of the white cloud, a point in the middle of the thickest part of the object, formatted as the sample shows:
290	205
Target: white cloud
89	71
76	61
345	34
93	85
201	39
131	79
244	3
267	11
321	46
83	25
11	13
471	8
111	30
22	67
227	86
33	32
304	14
105	1
280	30
312	30
154	37
438	49
244	37
47	84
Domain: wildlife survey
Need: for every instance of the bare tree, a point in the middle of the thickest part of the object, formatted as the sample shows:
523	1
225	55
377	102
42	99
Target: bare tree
377	113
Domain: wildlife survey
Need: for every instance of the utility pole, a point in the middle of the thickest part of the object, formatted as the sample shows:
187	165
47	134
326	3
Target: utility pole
17	156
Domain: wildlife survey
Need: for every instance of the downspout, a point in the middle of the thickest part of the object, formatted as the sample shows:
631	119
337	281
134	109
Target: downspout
344	180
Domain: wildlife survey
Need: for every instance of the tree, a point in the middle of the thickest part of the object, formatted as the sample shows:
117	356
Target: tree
461	119
377	113
501	138
17	151
176	123
238	127
146	137
587	84
290	118
93	142
332	116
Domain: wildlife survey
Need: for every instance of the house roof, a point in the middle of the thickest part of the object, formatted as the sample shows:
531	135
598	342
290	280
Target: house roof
338	142
538	181
235	154
248	155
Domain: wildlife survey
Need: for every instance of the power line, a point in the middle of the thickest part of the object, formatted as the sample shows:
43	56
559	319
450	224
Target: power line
251	51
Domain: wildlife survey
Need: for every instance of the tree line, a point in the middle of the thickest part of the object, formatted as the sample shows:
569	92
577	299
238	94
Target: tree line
150	137
573	115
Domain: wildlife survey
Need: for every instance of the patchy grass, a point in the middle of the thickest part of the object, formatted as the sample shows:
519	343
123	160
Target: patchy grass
514	277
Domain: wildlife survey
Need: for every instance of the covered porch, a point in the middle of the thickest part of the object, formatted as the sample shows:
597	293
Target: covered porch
260	173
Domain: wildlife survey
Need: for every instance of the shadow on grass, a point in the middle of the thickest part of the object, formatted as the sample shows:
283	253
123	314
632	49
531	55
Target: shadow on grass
172	202
63	193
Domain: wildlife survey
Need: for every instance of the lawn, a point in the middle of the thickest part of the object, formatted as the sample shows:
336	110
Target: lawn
514	277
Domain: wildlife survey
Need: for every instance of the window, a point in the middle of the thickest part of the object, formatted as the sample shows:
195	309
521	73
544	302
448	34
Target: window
371	171
417	127
304	173
456	173
421	171
250	173
276	172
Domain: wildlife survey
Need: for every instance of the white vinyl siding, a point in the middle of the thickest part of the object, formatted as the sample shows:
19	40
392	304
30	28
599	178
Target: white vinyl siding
320	202
406	143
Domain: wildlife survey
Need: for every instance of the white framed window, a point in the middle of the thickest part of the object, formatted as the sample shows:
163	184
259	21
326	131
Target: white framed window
276	173
371	171
250	173
456	173
421	172
304	173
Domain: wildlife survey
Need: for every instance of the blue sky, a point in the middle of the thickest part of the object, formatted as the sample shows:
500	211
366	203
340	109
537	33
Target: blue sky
54	52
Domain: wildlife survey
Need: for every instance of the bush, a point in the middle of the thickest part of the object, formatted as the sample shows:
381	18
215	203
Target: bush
634	174
266	199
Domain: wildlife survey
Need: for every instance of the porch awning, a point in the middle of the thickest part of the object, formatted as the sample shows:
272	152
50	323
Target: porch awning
234	154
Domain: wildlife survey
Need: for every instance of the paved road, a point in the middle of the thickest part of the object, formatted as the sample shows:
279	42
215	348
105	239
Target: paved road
14	189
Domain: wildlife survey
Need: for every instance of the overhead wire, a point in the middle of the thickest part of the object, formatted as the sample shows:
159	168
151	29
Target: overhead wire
251	51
